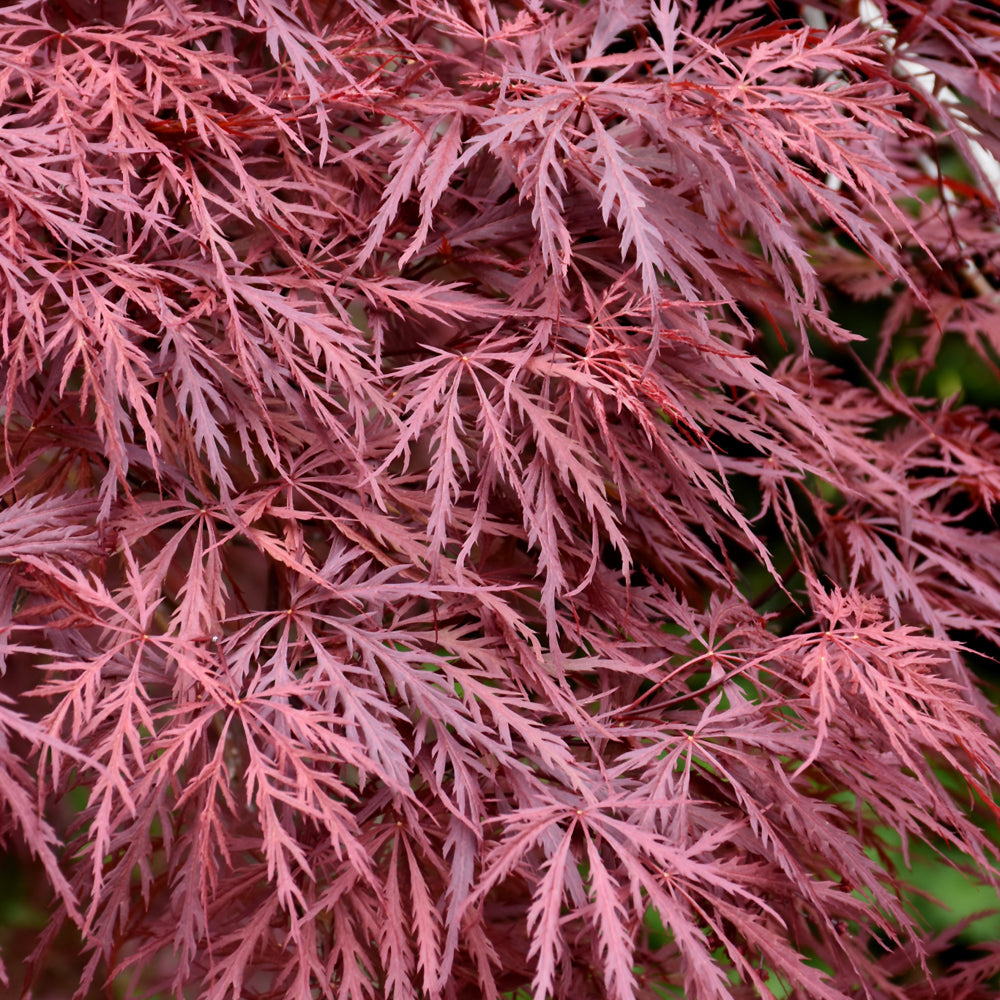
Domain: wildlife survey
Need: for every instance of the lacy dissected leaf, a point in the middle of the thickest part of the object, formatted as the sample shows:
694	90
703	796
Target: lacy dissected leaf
483	507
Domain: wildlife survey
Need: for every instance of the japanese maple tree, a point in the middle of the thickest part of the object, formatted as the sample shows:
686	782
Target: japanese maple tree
475	515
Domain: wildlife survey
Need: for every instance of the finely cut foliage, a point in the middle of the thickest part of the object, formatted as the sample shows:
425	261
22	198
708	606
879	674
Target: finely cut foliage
454	541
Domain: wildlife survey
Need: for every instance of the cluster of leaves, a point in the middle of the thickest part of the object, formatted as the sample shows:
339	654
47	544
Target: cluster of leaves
401	405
